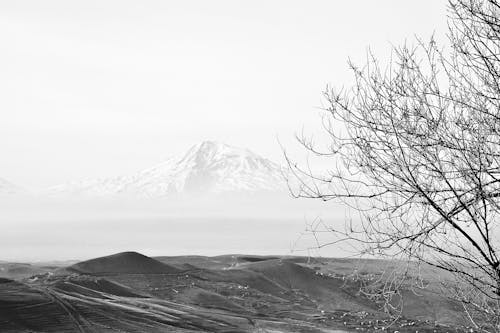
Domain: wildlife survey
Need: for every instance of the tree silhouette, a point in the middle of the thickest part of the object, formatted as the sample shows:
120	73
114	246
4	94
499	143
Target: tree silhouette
414	147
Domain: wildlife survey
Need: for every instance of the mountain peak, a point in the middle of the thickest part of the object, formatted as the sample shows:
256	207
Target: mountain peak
208	152
208	147
211	145
207	167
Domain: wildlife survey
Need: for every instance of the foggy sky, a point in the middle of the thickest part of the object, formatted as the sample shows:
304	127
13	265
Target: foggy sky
100	88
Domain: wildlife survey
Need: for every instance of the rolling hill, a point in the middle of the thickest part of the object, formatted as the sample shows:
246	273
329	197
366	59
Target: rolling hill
130	292
122	263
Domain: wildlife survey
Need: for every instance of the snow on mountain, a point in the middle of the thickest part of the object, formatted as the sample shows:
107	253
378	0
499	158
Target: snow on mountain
208	167
7	188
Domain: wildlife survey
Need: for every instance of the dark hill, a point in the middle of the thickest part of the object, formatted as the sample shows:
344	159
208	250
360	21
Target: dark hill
123	263
329	293
5	280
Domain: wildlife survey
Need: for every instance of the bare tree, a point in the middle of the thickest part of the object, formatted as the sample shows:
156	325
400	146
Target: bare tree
415	149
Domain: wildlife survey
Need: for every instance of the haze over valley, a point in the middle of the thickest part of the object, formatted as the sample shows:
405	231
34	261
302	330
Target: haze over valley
213	199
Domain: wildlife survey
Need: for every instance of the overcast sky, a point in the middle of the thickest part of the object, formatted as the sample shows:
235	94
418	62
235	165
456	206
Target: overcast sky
102	88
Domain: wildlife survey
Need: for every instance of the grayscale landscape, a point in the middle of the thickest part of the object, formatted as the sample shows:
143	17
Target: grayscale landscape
278	166
229	293
176	291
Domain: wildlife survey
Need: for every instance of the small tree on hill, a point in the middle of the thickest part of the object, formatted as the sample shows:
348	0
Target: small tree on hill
415	148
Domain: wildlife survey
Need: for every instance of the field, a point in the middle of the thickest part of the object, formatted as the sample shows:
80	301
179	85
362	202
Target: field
129	292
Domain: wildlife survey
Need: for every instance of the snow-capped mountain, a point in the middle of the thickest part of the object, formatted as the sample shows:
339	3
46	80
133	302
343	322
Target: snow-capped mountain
7	188
208	167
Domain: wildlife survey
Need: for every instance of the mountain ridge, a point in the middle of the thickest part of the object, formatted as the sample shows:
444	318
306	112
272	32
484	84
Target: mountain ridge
7	188
208	167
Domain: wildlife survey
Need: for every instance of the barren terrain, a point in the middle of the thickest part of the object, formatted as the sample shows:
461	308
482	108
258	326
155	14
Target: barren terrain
130	292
